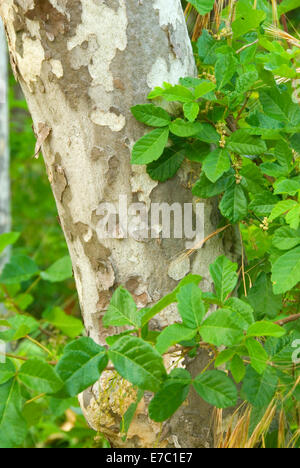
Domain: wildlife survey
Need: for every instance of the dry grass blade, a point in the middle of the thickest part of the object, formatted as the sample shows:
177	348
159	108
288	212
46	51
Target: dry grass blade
278	33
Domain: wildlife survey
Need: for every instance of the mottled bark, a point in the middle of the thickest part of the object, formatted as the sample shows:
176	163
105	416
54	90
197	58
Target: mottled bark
4	144
82	64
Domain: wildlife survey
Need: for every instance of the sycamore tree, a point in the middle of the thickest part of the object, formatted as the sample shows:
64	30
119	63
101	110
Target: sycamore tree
160	352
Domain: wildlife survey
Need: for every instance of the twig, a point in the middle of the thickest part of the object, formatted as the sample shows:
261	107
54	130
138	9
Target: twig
291	318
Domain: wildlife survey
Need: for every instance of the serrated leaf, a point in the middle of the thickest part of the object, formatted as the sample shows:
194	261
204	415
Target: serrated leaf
166	166
59	271
151	115
122	310
216	163
204	188
139	363
286	238
39	376
81	365
223	273
204	88
282	208
225	69
70	326
234	204
182	128
191	306
172	335
263	203
150	147
242	143
216	389
262	298
221	329
286	271
191	111
20	326
242	311
259	389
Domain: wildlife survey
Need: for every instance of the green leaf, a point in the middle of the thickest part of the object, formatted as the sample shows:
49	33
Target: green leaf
122	310
286	271
175	93
172	335
287	187
204	188
216	389
286	6
39	376
258	355
265	328
225	356
216	163
137	362
129	415
8	238
166	166
167	400
243	312
279	106
150	147
281	208
7	371
19	269
81	365
225	69
20	326
204	88
191	111
221	329
203	6
206	45
262	298
169	298
263	203
151	115
191	306
182	128
59	271
259	389
242	143
13	428
286	238
237	368
283	154
234	204
208	134
253	178
223	273
247	20
70	326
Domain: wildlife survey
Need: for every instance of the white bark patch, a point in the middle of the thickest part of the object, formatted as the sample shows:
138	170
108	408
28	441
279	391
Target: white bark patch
57	68
168	71
61	6
30	65
103	30
109	119
168	12
179	269
142	184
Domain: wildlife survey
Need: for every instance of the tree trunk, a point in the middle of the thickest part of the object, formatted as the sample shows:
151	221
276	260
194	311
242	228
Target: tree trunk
82	64
4	145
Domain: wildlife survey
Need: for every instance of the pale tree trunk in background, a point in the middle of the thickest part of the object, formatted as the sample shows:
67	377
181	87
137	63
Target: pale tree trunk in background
82	64
4	144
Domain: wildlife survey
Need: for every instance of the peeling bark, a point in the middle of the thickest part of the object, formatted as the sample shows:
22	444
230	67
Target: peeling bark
82	64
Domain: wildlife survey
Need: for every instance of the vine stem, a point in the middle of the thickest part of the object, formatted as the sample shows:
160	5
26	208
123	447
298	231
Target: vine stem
291	318
38	344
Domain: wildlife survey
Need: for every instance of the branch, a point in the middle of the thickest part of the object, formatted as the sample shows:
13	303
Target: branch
291	318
